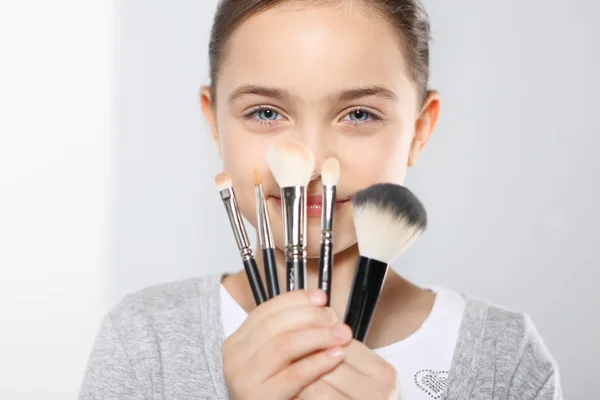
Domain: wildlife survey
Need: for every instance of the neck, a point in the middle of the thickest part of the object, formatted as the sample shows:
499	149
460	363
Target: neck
343	274
398	299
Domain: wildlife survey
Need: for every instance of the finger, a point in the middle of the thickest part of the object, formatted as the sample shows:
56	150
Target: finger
284	301
285	321
321	390
290	381
287	348
364	360
350	382
363	373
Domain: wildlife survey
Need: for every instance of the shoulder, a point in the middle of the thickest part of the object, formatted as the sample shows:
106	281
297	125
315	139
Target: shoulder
163	304
515	333
162	339
169	297
510	346
511	331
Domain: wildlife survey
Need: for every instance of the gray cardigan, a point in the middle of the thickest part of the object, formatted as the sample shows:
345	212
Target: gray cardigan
165	343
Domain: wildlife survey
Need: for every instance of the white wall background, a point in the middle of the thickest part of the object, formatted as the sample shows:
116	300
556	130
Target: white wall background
510	179
166	161
56	60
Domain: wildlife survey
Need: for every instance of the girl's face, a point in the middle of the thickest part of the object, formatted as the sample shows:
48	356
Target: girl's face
332	77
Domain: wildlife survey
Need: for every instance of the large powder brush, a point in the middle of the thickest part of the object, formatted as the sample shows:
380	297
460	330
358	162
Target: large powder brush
388	219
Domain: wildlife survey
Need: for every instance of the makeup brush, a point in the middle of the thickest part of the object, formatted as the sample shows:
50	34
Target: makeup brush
292	166
388	218
265	237
225	188
330	175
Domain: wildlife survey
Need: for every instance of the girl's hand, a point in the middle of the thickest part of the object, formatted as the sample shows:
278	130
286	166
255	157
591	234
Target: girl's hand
362	375
284	345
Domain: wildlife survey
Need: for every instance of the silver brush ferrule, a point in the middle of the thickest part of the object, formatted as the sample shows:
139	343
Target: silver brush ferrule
264	225
294	221
326	258
328	207
237	224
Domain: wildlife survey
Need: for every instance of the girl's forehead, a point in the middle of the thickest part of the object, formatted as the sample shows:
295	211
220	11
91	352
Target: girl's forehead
315	50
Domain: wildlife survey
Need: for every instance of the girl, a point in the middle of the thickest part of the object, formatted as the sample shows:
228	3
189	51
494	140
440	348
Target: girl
349	79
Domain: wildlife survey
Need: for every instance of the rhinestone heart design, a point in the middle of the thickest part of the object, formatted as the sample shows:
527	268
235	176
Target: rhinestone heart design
432	382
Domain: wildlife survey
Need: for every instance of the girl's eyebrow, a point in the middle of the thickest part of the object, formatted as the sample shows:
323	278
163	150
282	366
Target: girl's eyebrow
345	95
249	90
282	95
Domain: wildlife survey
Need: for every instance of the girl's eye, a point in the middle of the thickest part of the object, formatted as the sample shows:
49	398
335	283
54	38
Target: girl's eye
361	116
266	115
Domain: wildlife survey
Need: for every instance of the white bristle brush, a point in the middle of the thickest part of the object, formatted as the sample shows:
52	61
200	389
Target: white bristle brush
225	188
388	218
330	176
292	165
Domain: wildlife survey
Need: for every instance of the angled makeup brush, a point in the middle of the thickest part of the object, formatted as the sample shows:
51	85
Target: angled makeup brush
265	237
388	218
292	166
225	188
330	175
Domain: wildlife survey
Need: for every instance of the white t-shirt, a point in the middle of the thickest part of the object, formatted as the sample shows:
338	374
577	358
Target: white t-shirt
422	359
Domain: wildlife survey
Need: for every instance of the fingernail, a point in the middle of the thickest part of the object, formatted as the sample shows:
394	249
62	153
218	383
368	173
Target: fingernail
330	314
336	352
341	332
318	297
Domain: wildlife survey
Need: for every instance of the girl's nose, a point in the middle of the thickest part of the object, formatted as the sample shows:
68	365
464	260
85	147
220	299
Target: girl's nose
315	138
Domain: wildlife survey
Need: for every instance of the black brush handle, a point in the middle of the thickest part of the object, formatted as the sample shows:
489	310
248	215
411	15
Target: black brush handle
296	272
258	290
325	266
364	295
270	265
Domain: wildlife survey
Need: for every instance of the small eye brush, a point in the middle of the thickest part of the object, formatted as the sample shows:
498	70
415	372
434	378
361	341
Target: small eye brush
265	237
330	175
225	188
388	219
292	166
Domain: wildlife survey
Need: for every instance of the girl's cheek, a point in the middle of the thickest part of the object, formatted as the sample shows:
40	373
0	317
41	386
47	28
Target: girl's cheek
241	151
365	162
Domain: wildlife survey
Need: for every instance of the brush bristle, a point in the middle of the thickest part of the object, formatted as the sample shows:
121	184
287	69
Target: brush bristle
388	219
291	163
257	176
223	181
330	172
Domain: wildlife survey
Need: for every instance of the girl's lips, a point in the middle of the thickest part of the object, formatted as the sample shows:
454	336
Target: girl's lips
314	210
314	199
314	205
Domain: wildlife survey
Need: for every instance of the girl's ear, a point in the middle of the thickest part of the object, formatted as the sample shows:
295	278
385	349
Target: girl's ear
425	125
209	111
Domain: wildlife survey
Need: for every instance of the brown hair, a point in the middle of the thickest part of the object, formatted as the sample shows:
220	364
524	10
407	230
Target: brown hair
408	17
